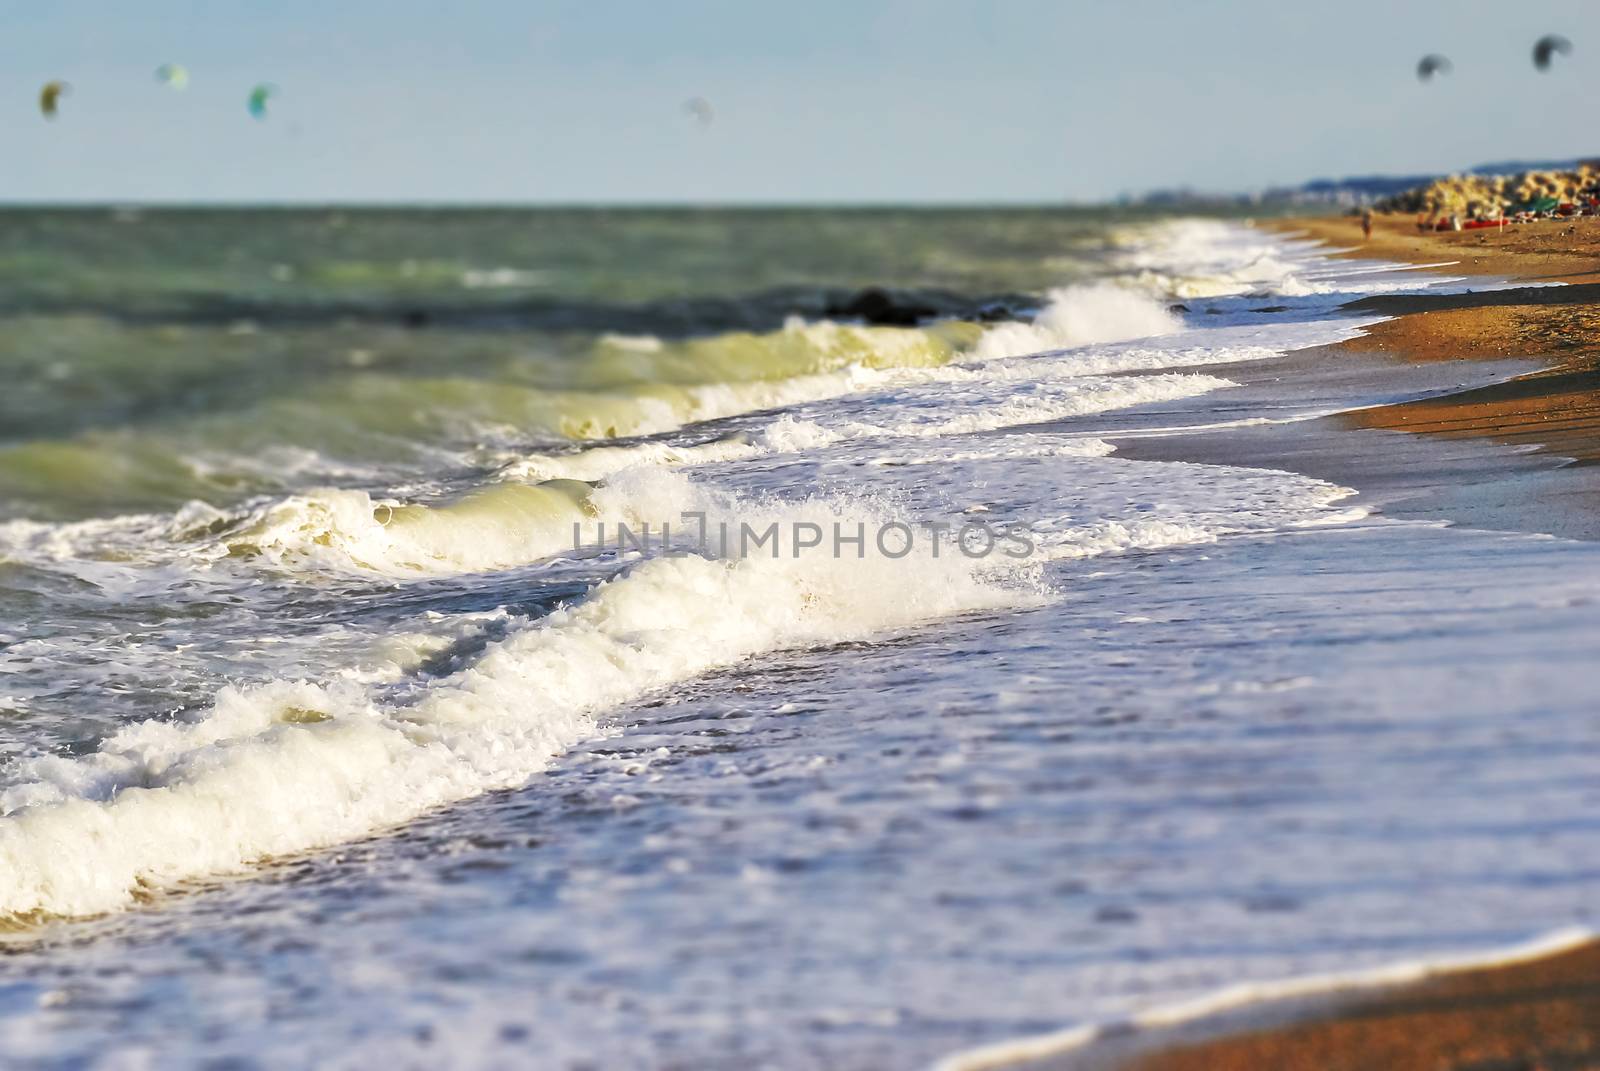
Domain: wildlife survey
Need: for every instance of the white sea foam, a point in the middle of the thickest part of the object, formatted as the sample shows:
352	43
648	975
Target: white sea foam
990	394
497	525
510	523
294	765
945	401
1209	258
1070	495
1013	449
1190	504
599	462
1080	316
713	401
789	434
975	405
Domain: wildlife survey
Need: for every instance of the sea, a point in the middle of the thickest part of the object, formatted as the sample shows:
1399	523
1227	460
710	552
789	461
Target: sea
731	638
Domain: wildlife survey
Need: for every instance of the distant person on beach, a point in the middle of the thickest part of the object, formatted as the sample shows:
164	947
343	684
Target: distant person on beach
1366	225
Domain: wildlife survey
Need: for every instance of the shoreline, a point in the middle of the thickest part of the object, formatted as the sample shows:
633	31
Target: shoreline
1297	1024
1516	454
1538	1012
1491	398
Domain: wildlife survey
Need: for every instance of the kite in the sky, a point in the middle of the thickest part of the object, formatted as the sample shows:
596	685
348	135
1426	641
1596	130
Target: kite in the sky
173	75
700	108
1547	47
50	95
259	97
1433	64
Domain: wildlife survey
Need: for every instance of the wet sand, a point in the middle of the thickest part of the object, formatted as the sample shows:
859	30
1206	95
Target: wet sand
1544	1014
1517	454
1550	251
1556	409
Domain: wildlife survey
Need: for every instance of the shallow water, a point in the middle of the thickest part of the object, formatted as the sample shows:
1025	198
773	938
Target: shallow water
825	808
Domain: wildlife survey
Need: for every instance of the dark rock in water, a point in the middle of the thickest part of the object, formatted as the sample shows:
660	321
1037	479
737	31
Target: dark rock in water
995	312
1179	307
1272	308
416	318
875	305
899	308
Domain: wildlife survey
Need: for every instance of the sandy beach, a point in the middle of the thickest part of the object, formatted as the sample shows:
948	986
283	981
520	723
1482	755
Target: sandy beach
1539	1014
1554	409
1544	1014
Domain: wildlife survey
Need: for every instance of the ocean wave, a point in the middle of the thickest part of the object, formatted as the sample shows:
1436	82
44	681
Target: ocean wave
381	425
785	434
294	765
495	525
1208	258
289	765
965	407
800	348
1080	316
947	402
512	523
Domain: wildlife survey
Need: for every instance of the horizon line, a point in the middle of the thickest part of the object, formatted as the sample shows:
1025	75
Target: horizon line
113	204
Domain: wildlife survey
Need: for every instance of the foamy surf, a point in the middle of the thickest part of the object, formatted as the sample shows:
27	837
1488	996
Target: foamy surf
988	398
497	525
509	522
292	766
1080	316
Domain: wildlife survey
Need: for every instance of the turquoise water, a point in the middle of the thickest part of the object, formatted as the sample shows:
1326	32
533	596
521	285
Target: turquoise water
145	349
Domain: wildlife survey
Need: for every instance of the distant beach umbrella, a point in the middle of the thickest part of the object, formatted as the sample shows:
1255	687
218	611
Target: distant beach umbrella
700	108
173	75
1433	64
259	97
50	96
1546	48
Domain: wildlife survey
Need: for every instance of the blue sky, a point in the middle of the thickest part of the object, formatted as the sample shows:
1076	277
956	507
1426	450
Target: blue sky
829	100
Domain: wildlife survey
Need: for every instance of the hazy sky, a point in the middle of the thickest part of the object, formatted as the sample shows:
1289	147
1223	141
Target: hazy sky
825	100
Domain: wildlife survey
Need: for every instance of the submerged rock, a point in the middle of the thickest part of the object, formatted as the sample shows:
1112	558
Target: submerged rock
875	305
884	307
